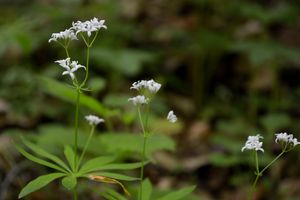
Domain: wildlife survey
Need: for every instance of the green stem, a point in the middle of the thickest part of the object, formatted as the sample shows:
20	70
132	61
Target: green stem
256	162
255	181
93	39
142	168
147	116
141	121
67	52
87	66
76	126
274	160
251	196
258	174
86	43
75	193
143	153
86	144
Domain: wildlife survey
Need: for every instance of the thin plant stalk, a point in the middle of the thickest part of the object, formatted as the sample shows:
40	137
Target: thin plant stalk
75	193
78	92
86	144
274	160
76	125
145	136
259	173
87	66
76	137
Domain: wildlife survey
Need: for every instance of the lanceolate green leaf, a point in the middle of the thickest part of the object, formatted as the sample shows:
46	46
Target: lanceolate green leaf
45	154
119	166
67	93
147	190
38	183
180	194
70	155
116	176
114	194
109	196
38	160
95	163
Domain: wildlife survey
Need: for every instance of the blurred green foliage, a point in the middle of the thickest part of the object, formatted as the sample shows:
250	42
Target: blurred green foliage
235	67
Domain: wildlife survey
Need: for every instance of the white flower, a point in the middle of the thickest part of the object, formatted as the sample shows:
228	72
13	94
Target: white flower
172	117
93	120
294	141
63	35
150	85
70	67
88	26
140	99
284	137
253	143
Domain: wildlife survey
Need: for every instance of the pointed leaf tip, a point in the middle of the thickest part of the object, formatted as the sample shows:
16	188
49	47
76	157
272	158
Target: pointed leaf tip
39	183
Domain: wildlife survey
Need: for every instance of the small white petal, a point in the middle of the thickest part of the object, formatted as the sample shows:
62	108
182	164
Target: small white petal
171	117
65	73
139	100
94	120
63	35
70	66
149	85
72	75
88	26
253	143
286	138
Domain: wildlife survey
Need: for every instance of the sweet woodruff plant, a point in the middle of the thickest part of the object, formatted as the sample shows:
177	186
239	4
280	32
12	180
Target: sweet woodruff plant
253	143
76	166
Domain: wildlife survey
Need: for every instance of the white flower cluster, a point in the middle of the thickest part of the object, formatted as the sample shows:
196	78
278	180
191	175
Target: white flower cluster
253	143
70	66
150	85
63	35
93	120
171	117
139	100
144	87
88	26
286	138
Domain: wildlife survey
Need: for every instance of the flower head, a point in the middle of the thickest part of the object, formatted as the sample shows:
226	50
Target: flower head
70	66
294	141
94	120
253	143
63	35
171	117
139	100
149	85
286	138
88	26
